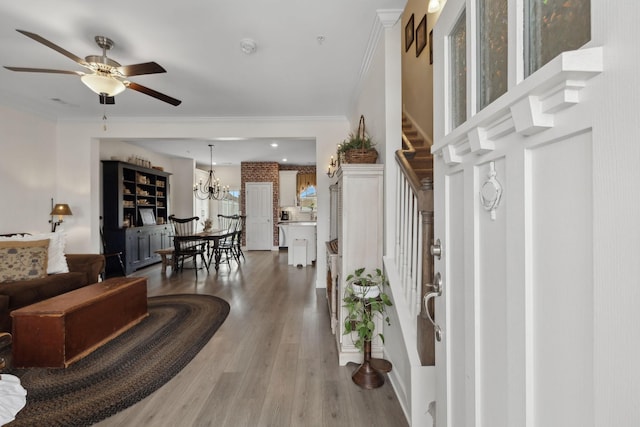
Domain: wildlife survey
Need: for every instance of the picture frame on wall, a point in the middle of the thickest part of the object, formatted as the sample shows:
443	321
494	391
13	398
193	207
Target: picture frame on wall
147	216
408	34
431	47
421	36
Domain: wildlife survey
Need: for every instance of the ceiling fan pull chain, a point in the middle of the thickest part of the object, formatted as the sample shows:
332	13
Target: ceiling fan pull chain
104	118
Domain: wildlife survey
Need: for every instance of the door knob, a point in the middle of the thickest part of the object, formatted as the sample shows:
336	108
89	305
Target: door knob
436	249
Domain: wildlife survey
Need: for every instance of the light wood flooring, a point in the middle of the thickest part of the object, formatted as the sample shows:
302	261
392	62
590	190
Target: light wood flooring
272	363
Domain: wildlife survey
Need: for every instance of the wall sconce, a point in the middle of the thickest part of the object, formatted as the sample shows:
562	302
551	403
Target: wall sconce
331	171
59	209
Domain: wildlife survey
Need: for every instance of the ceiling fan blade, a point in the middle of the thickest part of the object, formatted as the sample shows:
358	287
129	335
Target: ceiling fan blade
139	69
44	70
55	47
153	93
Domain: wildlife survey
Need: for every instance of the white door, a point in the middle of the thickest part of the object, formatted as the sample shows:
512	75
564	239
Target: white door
514	206
259	206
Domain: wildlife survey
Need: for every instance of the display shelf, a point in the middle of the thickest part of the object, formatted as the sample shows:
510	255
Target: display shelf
131	193
127	188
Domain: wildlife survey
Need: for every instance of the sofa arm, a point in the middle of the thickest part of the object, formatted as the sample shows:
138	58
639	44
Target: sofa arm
90	264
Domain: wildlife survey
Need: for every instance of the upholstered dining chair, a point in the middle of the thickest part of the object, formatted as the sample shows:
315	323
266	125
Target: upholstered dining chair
186	243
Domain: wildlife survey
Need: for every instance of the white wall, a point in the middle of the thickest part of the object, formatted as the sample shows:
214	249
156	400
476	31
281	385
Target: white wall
381	103
111	149
229	175
44	159
181	201
27	172
417	72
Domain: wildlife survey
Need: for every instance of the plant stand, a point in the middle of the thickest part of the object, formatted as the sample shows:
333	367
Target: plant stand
370	374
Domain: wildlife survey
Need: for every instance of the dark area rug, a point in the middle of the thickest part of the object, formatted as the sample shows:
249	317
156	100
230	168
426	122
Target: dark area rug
125	370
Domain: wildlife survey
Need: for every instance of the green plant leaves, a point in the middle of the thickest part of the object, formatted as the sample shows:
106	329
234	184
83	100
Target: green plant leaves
362	312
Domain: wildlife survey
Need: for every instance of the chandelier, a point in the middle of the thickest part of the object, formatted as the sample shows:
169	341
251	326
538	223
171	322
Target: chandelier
212	189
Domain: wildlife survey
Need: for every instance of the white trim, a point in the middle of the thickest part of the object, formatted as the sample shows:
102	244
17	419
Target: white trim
527	109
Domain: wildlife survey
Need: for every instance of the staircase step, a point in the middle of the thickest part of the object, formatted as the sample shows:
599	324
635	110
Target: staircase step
422	161
424	173
420	164
422	150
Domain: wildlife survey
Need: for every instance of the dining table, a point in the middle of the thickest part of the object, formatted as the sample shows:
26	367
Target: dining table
213	238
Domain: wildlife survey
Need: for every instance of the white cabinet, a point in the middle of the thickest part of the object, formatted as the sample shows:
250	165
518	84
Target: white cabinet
302	231
283	234
358	219
288	190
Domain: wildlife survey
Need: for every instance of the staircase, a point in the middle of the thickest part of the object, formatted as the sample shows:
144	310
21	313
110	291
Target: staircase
415	234
417	150
409	268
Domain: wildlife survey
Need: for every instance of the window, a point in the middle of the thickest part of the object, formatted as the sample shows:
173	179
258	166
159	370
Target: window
458	47
306	190
308	198
552	27
492	50
231	204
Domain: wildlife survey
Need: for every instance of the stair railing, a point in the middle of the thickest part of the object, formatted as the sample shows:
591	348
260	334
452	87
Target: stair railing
414	230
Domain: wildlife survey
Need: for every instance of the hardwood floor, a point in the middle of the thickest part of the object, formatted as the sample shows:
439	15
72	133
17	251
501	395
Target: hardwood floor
272	363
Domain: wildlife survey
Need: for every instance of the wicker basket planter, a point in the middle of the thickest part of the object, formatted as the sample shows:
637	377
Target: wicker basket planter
359	155
359	147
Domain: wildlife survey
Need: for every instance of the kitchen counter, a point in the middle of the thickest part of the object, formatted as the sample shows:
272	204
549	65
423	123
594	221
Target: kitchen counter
283	230
307	222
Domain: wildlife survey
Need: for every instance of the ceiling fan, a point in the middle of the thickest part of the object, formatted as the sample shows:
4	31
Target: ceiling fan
107	78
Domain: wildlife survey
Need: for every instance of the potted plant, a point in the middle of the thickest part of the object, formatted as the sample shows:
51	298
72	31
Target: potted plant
358	147
365	299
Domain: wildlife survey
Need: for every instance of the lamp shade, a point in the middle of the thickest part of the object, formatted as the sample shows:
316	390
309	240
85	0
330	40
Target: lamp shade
100	84
61	209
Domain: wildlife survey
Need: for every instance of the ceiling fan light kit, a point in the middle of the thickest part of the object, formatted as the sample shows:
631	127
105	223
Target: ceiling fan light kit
106	77
103	84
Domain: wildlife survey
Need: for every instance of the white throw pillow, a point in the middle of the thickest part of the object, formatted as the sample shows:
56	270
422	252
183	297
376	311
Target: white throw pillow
56	262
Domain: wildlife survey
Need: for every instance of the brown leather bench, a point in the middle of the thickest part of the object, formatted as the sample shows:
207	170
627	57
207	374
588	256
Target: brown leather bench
61	330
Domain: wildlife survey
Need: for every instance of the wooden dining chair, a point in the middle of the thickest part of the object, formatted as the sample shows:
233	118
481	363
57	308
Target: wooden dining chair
227	246
110	254
186	243
237	243
227	222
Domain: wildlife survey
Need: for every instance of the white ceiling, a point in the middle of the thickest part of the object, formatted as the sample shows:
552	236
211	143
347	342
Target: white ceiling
291	73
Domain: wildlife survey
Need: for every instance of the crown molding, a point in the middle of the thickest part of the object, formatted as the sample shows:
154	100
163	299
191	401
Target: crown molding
385	18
